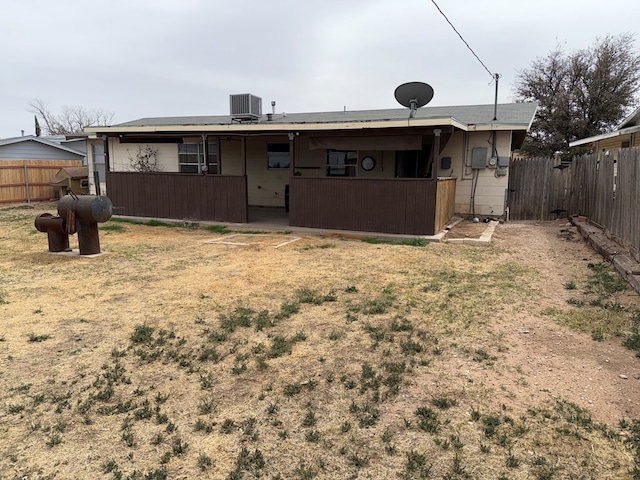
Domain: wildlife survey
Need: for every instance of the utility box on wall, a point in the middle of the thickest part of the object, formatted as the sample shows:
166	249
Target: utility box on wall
479	158
502	167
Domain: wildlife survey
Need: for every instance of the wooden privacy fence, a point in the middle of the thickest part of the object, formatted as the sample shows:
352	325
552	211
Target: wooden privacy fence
605	190
537	190
29	180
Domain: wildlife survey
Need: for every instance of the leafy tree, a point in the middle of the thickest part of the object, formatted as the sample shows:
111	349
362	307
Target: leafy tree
37	126
580	94
70	120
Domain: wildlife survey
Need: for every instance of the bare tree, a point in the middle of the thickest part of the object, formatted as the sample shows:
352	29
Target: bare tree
70	119
585	93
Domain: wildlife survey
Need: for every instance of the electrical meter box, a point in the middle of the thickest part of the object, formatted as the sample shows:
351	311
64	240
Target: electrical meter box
502	167
503	162
479	157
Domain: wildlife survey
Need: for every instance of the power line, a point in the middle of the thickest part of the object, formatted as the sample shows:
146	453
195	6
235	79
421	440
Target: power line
465	42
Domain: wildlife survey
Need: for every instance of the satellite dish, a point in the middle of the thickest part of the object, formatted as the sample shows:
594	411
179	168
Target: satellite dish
414	95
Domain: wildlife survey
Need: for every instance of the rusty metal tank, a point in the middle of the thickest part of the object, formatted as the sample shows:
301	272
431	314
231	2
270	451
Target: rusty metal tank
56	233
77	213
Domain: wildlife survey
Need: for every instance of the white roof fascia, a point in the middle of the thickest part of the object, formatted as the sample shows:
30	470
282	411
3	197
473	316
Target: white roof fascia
304	127
604	136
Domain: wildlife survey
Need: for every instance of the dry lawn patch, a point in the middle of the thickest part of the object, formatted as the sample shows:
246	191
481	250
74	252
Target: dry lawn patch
173	357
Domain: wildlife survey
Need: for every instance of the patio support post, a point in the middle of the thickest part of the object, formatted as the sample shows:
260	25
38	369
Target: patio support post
107	160
292	153
436	151
205	155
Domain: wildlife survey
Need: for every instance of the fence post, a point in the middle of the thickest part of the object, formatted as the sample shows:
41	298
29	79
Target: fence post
26	182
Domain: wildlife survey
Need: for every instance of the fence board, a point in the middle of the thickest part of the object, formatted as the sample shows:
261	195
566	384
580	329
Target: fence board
445	202
39	174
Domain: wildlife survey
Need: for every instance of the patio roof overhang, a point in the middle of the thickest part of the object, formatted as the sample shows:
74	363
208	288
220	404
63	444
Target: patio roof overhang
282	128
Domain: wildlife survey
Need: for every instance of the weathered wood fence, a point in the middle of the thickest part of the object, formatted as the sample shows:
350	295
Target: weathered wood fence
29	180
605	190
537	190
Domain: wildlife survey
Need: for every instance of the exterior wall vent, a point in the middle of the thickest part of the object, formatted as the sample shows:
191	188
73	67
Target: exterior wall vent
245	106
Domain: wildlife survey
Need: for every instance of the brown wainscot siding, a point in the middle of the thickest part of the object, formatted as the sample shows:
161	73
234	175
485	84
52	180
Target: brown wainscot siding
403	206
221	198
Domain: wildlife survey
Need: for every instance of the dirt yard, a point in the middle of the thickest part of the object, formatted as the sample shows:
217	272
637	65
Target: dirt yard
191	353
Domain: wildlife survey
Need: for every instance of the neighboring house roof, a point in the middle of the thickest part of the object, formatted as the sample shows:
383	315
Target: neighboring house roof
73	172
631	124
512	116
632	120
50	142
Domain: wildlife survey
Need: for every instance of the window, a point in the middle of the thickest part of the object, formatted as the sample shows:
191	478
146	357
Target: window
278	155
190	156
341	163
97	150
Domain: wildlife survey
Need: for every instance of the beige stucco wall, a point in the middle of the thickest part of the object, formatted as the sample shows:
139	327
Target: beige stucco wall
120	155
490	189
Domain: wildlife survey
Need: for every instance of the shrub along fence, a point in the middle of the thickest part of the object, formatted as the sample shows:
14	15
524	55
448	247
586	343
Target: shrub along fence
603	189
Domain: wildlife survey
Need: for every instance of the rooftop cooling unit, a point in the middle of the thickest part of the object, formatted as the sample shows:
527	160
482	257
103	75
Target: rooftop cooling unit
245	106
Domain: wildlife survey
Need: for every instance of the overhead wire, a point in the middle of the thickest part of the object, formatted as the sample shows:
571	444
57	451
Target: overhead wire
463	40
494	77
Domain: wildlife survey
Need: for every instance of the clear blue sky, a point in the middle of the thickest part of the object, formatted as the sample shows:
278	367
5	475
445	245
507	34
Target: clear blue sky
141	58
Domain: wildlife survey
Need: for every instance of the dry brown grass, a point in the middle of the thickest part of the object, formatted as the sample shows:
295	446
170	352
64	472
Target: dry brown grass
169	357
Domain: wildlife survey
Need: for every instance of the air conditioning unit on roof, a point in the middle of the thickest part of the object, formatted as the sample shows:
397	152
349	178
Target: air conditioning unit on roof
245	106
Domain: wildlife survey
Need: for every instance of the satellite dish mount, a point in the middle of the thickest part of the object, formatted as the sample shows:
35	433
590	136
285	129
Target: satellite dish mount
413	95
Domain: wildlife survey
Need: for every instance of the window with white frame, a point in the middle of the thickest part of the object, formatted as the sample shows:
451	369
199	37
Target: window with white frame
190	156
278	155
97	151
342	163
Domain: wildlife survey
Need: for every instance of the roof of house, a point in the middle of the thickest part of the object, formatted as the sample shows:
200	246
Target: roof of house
512	116
51	142
632	120
631	124
73	172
